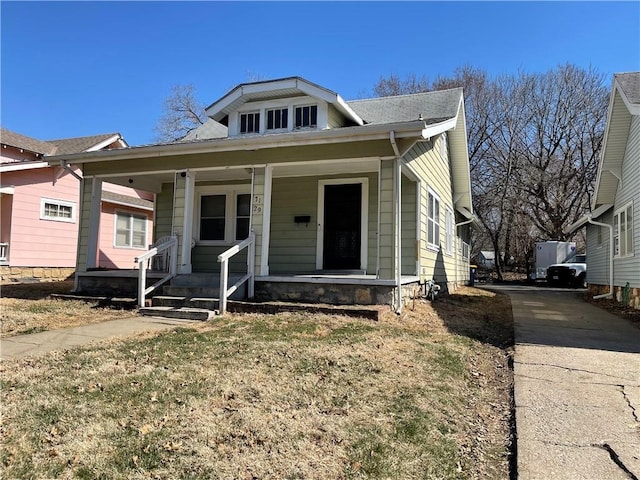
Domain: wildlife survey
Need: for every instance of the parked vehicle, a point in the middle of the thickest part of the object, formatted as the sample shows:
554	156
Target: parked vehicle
572	273
551	253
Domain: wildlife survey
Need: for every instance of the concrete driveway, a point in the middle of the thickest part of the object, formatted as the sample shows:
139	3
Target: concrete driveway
577	387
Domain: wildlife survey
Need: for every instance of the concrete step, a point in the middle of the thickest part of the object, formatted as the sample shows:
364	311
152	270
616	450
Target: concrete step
208	303
201	291
184	313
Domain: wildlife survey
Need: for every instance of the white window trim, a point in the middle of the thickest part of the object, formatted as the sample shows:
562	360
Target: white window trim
449	234
310	127
260	114
130	214
231	192
364	218
433	246
616	231
274	108
290	103
62	203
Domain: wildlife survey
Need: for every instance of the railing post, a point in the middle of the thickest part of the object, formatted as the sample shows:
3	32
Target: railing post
142	282
173	252
251	266
224	275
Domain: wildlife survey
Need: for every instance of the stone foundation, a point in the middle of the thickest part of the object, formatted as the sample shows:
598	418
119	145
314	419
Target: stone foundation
41	274
618	292
329	293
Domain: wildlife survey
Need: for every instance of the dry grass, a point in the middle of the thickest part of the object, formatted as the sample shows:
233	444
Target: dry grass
284	396
28	308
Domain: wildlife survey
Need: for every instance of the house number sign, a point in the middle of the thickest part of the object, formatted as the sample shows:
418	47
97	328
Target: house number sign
257	204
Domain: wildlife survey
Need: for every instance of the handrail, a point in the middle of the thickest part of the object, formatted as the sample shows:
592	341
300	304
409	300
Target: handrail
223	258
165	244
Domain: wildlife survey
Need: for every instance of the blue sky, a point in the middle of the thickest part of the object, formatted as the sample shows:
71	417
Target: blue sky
82	68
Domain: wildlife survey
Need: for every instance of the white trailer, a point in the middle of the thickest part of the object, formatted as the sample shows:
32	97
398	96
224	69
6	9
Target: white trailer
549	253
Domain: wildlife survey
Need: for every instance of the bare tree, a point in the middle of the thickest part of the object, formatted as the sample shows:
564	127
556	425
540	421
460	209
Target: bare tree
182	113
534	141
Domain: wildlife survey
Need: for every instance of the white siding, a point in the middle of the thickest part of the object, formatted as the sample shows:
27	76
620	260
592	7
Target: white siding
628	269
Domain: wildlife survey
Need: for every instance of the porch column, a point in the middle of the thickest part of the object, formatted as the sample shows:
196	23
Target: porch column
261	216
93	233
387	228
183	204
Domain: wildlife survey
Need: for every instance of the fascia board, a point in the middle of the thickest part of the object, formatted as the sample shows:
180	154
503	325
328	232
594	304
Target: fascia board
17	166
104	143
633	108
603	152
8	190
219	105
411	129
585	218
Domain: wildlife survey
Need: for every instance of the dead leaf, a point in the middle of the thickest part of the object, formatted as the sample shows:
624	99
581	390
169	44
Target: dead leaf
146	428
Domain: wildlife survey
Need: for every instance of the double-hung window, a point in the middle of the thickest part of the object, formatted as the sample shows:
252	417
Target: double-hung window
448	235
433	220
250	122
306	116
131	230
278	118
623	231
57	210
224	216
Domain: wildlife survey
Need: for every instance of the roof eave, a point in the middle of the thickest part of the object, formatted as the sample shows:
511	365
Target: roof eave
416	129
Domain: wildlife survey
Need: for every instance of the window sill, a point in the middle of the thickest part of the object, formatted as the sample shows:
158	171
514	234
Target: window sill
433	248
623	257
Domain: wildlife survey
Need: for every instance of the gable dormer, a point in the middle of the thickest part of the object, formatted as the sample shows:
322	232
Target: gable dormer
281	106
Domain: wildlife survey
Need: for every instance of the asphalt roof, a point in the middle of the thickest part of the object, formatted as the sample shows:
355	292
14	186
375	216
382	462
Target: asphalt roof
630	85
208	130
433	107
52	147
7	137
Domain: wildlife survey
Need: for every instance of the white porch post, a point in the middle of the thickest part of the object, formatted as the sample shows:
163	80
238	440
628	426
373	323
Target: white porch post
187	225
94	223
266	221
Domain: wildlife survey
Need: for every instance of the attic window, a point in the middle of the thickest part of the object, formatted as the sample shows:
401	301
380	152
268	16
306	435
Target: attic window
306	116
278	119
250	122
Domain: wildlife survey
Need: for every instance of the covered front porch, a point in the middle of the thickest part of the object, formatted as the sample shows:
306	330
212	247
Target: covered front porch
330	231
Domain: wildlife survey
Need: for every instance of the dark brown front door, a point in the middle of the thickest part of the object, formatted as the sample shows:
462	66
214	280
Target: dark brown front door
342	216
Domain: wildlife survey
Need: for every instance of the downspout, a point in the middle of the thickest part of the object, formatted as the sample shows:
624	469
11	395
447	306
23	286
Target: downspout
66	167
611	253
466	222
398	200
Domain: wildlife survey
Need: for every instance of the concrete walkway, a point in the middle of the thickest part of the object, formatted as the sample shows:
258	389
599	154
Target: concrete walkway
43	342
577	388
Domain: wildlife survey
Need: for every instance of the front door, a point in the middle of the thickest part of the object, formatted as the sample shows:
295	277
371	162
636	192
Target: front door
342	226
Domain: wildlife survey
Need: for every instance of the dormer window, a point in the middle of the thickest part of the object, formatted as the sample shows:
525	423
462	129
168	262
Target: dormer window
250	122
306	116
278	119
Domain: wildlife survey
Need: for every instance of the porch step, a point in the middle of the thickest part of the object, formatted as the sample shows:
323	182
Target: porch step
183	313
208	303
201	291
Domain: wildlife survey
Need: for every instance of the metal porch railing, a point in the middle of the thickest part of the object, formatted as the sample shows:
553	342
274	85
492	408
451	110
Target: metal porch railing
250	244
163	256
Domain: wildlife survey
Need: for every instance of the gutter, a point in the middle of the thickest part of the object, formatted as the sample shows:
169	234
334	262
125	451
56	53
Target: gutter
413	129
611	253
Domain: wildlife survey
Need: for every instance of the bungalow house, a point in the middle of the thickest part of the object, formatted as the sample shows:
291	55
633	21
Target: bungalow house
39	209
613	226
299	194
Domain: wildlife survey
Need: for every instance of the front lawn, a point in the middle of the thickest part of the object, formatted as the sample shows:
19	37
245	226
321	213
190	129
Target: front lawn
286	396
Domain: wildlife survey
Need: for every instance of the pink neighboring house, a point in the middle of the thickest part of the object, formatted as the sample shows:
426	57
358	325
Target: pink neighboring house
39	208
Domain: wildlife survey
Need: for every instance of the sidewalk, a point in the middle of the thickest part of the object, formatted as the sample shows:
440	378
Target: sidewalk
577	388
42	342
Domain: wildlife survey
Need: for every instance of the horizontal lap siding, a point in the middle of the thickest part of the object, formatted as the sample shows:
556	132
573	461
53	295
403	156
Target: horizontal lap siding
435	173
205	259
387	234
598	253
292	247
164	212
35	242
408	213
628	269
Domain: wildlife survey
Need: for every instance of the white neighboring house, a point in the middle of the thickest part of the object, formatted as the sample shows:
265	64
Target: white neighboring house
615	215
